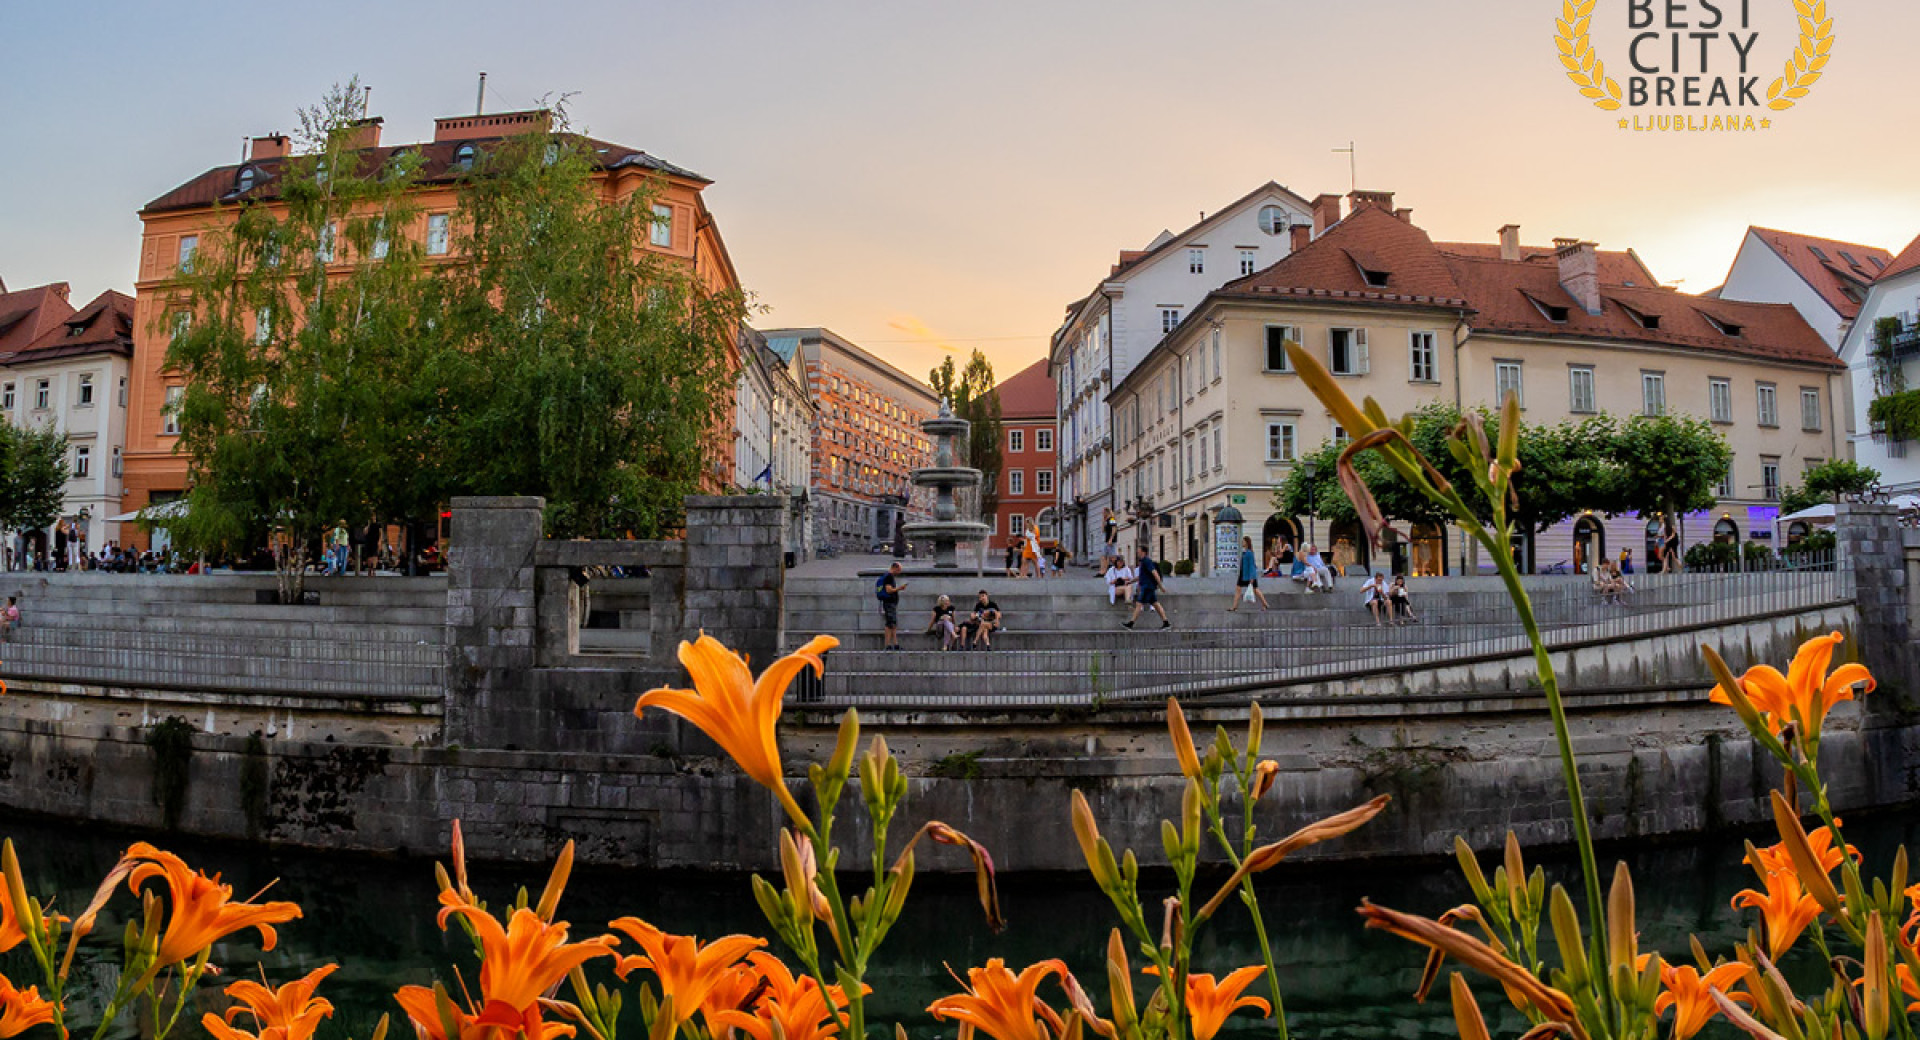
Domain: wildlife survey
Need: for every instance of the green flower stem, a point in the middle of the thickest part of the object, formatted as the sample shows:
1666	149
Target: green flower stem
853	1021
1582	830
1253	909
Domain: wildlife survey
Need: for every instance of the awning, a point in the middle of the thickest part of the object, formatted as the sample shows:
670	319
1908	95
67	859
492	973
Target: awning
173	510
1823	511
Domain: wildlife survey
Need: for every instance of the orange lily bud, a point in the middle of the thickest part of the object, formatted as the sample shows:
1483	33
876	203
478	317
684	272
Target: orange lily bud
1172	930
1256	729
1120	983
841	764
1466	1012
1622	943
556	883
1183	748
1516	875
1264	776
1813	877
1470	866
1092	846
1324	387
1266	856
1874	994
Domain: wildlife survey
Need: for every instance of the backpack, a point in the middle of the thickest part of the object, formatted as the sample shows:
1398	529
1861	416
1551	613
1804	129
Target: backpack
882	591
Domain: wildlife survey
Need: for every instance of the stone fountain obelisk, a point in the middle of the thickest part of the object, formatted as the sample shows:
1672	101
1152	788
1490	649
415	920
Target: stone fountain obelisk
943	476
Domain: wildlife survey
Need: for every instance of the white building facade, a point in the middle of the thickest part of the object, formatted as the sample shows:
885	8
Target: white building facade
773	431
74	378
1880	365
1145	296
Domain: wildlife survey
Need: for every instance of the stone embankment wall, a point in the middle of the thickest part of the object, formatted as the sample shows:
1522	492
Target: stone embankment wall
535	743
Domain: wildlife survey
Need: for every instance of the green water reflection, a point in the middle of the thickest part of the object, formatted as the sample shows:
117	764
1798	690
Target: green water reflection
375	916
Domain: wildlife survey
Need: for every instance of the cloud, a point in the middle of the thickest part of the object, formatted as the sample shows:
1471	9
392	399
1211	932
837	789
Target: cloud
921	332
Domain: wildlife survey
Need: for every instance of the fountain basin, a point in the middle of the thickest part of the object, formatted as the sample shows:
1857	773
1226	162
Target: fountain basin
945	476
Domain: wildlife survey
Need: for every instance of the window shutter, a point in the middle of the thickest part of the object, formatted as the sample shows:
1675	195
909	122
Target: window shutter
1360	352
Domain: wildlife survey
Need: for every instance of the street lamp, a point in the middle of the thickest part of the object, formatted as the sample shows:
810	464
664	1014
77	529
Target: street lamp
1310	468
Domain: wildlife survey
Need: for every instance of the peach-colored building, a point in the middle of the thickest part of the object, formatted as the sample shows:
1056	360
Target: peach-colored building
176	222
1027	455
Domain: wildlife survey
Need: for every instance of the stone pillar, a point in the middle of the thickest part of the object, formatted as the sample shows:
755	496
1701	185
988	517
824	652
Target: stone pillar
490	615
734	579
1872	545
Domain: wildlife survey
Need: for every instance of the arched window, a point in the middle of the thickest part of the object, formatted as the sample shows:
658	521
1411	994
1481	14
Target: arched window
246	179
1274	220
1725	531
463	159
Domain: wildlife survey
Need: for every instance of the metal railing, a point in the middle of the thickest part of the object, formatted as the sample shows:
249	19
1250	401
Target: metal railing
1088	668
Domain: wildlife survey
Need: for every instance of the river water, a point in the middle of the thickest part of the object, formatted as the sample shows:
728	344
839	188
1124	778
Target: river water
376	917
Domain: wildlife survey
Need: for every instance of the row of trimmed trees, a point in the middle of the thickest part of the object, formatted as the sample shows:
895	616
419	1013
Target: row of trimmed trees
555	355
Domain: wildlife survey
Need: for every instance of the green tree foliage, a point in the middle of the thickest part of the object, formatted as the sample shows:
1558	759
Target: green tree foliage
1600	464
584	368
972	394
33	477
333	375
1828	482
298	329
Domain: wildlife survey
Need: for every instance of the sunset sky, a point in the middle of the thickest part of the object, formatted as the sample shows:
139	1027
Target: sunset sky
918	176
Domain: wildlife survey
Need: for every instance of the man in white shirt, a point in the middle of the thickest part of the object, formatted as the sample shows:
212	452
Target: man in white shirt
1318	576
1119	582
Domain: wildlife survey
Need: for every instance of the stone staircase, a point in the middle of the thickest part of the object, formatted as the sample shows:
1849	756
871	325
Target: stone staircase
378	639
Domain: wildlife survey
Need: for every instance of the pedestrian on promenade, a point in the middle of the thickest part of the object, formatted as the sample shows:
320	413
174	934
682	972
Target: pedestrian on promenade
1669	548
1247	586
1626	561
1013	557
887	591
337	541
10	617
1110	553
1146	590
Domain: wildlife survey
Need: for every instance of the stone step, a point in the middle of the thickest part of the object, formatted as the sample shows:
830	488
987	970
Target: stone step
363	592
320	615
28	639
41	620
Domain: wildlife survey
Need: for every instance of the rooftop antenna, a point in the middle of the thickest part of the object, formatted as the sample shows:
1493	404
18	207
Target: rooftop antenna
480	100
1353	167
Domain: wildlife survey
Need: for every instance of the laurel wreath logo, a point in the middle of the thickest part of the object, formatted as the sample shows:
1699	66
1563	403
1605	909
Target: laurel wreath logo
1585	68
1589	73
1809	58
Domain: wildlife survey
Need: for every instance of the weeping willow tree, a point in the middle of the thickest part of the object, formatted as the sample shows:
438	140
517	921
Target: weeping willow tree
334	373
589	369
298	326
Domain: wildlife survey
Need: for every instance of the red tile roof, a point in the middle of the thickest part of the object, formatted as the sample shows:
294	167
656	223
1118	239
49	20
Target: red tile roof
1330	266
103	326
27	313
1508	296
1617	267
1504	294
1832	276
1908	260
222	183
1028	393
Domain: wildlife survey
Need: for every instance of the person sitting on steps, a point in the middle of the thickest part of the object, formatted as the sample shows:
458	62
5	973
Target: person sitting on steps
942	624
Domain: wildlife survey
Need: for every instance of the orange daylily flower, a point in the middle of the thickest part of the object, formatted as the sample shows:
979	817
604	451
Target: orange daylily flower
1001	1004
1209	1003
688	971
788	1008
522	961
21	1009
1785	907
736	711
1908	986
1687	992
291	1012
202	911
11	932
423	1010
1806	693
738	989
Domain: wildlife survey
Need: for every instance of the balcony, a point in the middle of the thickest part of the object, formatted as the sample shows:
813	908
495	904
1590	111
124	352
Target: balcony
1905	343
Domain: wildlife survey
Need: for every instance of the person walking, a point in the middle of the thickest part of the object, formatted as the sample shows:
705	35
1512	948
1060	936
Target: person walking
1669	548
1146	591
1247	586
337	541
1626	561
887	591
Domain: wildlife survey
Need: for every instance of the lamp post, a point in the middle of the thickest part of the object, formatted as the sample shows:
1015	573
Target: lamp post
1310	468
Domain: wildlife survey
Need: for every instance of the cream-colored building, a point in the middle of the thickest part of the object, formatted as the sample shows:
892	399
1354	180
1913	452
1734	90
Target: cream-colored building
1214	417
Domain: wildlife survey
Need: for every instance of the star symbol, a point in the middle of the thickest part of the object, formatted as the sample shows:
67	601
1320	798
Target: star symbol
1766	124
1623	124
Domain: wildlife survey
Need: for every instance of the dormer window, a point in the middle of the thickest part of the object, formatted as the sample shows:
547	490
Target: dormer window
247	177
1726	328
1848	257
1819	252
1274	220
463	159
1375	279
1553	312
1644	320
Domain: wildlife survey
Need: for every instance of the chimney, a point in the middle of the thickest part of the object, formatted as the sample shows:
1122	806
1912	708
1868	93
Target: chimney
361	133
499	124
1405	215
1302	234
1579	271
272	146
1381	200
1326	213
1510	242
